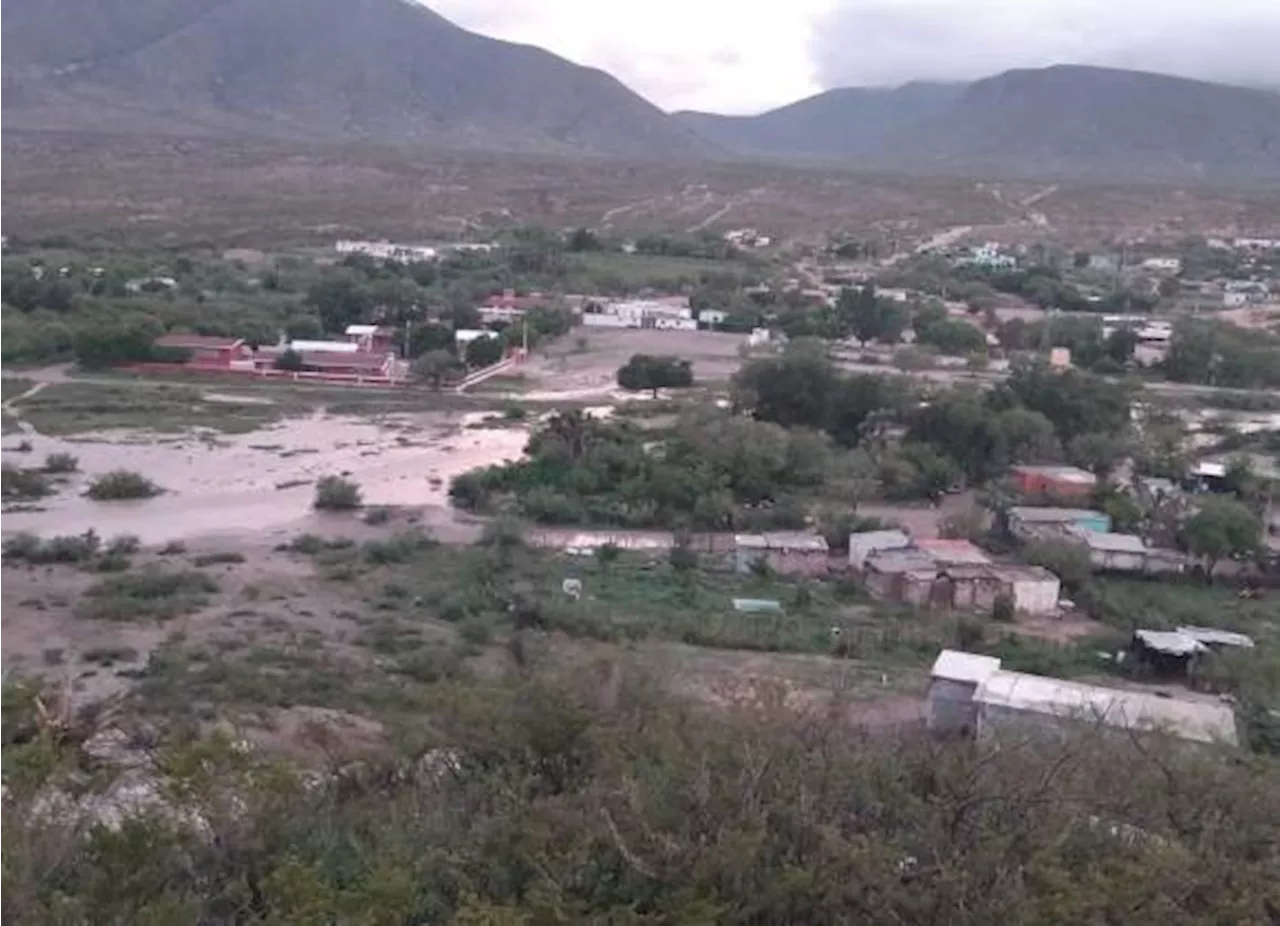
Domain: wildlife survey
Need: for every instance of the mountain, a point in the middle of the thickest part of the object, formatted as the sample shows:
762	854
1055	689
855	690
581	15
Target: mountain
849	122
381	70
1062	121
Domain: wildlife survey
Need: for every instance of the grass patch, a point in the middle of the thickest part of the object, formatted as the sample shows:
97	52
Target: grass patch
149	594
229	557
122	485
76	408
1131	604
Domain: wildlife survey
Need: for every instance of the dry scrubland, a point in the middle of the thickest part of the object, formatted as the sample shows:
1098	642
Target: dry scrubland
198	191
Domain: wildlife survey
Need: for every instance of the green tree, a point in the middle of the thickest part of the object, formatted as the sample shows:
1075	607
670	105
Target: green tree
646	371
434	366
289	360
483	352
1221	527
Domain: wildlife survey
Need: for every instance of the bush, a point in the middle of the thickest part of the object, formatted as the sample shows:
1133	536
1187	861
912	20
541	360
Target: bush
469	491
152	593
120	485
398	549
23	446
377	515
59	463
1003	609
1068	561
124	545
228	557
67	549
16	483
333	493
310	544
290	360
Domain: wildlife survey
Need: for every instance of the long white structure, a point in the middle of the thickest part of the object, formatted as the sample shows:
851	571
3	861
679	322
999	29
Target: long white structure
971	693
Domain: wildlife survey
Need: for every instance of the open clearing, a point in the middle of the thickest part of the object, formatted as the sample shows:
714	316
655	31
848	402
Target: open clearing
586	362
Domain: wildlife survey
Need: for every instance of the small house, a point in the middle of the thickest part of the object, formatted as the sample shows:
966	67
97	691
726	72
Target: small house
784	552
372	339
954	679
1028	523
1034	589
863	544
1058	481
901	575
204	350
947	552
1115	552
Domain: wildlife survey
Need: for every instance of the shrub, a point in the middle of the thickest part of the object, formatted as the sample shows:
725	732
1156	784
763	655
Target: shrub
682	557
16	483
216	559
122	484
21	546
1002	609
79	548
502	533
60	463
310	544
151	593
1068	561
398	549
333	493
608	553
124	544
476	632
377	515
290	360
967	633
23	446
173	548
469	492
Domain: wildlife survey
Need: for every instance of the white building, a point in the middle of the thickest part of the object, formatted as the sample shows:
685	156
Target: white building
388	250
1257	244
643	313
970	693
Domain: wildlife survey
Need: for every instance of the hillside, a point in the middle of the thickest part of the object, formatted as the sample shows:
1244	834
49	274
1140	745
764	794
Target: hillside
849	122
381	70
1065	121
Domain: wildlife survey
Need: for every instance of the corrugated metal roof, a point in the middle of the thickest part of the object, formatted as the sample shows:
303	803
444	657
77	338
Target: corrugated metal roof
956	666
1063	473
1113	543
1169	642
863	543
1201	721
898	561
1049	515
181	341
953	551
1212	636
782	540
325	347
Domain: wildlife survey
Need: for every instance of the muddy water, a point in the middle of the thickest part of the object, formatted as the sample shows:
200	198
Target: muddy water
235	485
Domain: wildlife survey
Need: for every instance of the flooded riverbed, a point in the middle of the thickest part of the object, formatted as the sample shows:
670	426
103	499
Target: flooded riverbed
263	481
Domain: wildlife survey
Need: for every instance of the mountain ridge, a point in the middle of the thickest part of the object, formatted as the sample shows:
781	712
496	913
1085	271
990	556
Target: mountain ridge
383	70
1063	120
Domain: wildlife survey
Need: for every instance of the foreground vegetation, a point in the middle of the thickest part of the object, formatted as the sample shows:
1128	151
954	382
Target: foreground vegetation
562	797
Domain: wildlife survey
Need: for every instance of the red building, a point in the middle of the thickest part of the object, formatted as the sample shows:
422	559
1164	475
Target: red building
205	350
1055	481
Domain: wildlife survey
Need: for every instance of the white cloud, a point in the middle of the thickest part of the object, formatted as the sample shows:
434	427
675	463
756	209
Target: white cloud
742	56
720	55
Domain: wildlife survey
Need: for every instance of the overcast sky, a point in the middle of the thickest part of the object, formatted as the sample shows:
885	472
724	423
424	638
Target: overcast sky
744	56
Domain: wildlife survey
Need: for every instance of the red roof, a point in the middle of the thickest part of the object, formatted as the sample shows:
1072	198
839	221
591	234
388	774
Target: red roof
510	300
196	342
